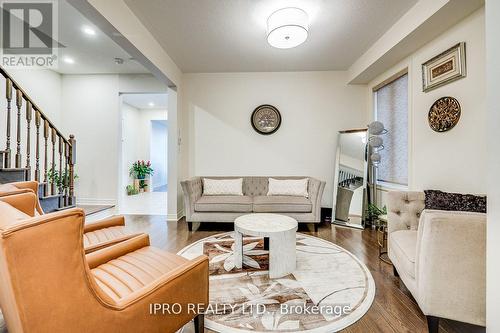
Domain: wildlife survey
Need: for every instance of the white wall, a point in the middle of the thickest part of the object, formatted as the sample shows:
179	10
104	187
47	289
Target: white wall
136	140
131	143
454	160
314	107
159	149
91	110
493	162
44	87
91	104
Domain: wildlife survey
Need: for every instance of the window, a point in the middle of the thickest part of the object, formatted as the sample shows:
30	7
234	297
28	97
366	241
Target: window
391	108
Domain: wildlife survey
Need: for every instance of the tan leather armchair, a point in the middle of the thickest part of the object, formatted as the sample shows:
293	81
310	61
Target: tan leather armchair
96	236
49	284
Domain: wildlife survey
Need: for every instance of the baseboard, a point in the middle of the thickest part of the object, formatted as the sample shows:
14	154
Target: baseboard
174	217
94	201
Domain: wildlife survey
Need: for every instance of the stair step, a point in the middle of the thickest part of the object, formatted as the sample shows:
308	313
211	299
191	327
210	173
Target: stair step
10	175
65	207
50	203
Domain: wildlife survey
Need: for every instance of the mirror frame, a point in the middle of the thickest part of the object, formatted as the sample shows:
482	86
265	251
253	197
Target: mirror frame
336	180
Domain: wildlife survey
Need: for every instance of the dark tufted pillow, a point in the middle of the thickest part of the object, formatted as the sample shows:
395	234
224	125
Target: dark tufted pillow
440	200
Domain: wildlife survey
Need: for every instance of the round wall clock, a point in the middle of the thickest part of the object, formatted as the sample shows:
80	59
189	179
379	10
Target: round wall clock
266	119
444	114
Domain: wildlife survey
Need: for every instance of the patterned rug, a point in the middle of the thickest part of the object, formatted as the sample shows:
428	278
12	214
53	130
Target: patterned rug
329	290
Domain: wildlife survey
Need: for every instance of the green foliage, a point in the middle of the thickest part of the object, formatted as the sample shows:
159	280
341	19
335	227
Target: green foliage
141	169
60	179
142	184
374	212
131	190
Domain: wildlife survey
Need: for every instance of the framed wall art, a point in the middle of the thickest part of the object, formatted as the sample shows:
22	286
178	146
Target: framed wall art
444	68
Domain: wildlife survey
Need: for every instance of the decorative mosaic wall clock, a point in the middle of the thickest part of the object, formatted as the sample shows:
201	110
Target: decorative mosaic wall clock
444	114
266	119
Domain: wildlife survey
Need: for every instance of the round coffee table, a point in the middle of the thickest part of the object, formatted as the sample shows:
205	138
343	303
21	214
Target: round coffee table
279	238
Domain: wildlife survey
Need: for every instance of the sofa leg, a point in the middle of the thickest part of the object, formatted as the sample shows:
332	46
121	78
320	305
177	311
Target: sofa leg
316	227
395	271
199	323
190	226
433	324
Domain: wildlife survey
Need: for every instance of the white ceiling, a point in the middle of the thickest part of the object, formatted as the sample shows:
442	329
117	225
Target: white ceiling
141	101
92	54
230	35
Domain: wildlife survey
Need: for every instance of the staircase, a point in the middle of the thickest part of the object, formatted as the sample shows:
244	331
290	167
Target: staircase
33	148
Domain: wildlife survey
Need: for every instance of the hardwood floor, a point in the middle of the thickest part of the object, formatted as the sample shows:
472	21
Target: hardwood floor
393	310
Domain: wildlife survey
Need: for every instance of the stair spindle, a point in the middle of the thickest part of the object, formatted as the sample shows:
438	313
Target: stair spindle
29	114
46	160
71	176
37	148
65	180
8	95
61	175
53	168
19	104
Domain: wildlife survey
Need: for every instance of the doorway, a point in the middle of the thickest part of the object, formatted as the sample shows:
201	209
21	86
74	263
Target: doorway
144	146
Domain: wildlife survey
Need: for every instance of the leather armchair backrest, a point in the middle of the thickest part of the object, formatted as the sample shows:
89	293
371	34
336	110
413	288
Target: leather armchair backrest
41	274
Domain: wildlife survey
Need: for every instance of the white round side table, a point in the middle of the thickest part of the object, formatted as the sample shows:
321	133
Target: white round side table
279	232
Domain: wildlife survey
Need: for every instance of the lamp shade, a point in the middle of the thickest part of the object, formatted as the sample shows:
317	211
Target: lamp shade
376	142
287	28
376	128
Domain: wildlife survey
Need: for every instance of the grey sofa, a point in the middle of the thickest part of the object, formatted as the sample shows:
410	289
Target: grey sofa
220	208
440	256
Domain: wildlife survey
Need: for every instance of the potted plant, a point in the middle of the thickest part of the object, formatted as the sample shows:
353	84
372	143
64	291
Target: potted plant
373	212
140	170
131	190
60	179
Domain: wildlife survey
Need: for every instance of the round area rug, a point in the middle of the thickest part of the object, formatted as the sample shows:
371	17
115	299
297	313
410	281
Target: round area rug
330	289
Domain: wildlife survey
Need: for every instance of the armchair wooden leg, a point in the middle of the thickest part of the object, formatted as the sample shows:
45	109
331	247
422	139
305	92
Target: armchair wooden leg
395	271
190	226
316	227
433	324
199	323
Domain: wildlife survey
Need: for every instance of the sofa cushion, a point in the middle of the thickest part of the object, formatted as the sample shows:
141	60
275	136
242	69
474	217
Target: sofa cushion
281	204
293	187
403	246
223	203
222	186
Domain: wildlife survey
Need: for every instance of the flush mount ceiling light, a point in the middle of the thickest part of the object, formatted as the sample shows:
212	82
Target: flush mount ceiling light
287	28
88	31
151	104
69	60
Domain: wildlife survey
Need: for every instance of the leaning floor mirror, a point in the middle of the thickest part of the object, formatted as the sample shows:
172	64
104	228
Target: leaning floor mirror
349	196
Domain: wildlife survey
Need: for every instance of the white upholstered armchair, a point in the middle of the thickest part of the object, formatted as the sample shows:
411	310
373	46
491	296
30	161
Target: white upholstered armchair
441	258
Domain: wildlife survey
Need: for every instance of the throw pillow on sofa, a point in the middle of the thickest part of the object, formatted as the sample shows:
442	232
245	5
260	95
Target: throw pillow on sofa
440	200
293	187
222	186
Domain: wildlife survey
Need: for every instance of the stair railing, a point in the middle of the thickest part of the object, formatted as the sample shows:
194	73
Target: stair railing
54	143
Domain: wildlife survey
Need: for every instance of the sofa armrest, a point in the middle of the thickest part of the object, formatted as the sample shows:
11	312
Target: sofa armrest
27	186
104	255
24	201
315	189
451	265
193	273
404	209
193	189
112	221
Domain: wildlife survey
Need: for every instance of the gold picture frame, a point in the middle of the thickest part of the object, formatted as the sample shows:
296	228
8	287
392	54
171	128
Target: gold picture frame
444	68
